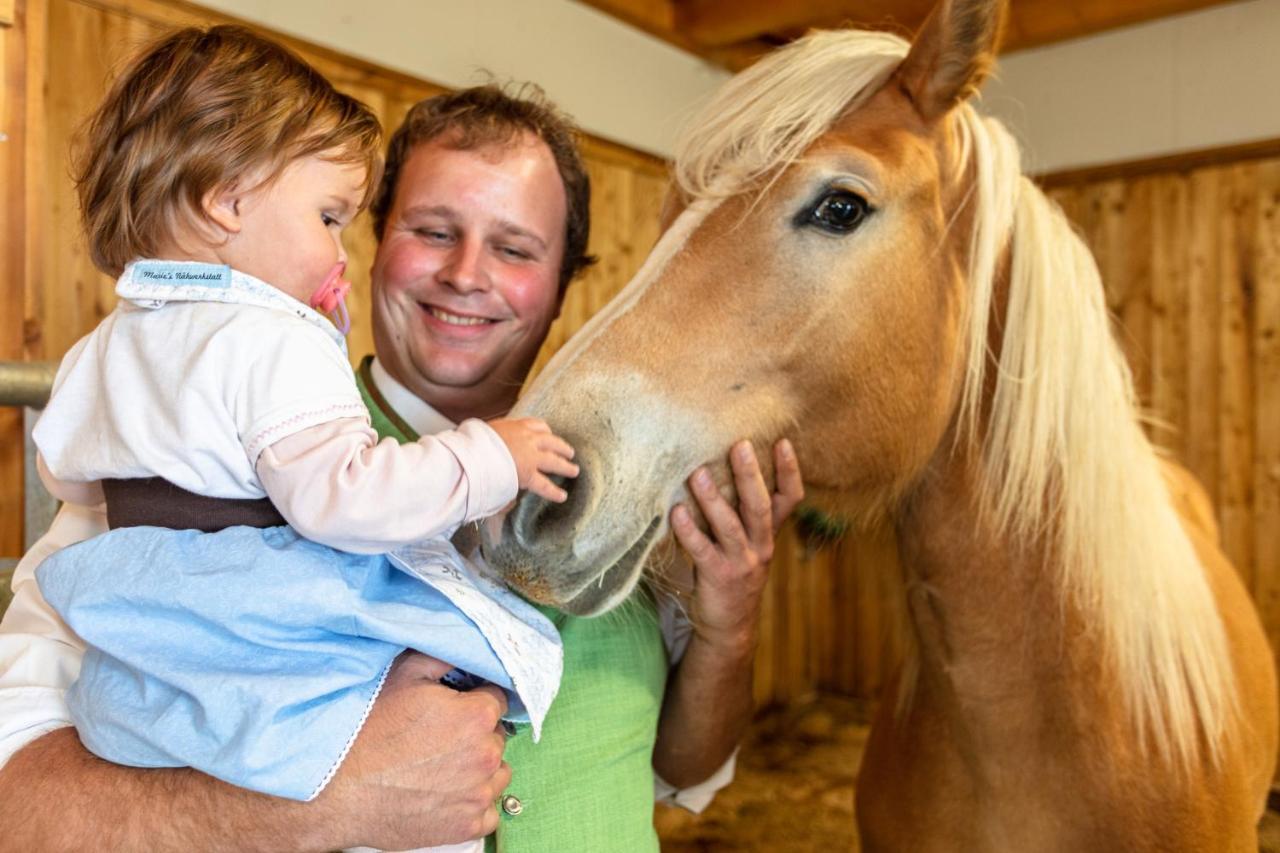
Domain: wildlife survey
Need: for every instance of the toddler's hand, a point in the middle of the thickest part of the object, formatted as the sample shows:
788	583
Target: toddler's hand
538	452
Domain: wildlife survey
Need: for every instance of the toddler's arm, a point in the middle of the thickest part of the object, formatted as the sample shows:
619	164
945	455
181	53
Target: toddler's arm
537	452
338	485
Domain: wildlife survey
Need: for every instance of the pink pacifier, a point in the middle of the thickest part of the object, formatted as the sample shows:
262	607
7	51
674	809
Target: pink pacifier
330	297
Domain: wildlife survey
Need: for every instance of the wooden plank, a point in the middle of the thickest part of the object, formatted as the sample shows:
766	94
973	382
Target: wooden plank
12	263
1169	313
824	637
1203	330
799	623
1133	279
1265	334
843	677
7	13
1237	279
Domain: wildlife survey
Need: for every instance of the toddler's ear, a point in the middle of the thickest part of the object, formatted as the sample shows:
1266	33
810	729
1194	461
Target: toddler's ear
222	208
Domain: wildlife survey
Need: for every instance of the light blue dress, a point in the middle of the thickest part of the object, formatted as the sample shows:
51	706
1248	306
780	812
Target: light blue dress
254	655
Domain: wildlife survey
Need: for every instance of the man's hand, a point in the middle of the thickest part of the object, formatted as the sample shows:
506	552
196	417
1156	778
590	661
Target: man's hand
537	452
427	767
708	701
731	565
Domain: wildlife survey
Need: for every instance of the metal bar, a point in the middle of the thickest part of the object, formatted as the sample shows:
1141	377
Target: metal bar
26	383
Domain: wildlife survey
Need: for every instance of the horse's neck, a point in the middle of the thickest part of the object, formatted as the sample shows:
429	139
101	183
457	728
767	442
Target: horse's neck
1000	651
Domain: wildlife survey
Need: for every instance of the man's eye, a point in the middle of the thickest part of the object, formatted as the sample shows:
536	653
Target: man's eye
434	234
837	212
512	252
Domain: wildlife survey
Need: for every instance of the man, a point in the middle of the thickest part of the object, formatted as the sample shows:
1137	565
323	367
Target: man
482	222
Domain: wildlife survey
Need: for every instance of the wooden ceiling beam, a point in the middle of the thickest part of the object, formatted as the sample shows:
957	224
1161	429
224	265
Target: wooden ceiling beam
655	17
734	33
716	23
1034	23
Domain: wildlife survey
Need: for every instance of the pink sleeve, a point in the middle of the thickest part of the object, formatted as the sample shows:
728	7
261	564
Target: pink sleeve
335	483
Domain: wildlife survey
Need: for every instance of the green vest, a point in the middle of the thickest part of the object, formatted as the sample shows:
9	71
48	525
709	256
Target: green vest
587	785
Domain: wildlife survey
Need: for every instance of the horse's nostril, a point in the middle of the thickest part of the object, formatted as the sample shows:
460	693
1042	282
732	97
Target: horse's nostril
535	515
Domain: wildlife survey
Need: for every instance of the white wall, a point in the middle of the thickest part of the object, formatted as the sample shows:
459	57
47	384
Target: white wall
1193	81
617	82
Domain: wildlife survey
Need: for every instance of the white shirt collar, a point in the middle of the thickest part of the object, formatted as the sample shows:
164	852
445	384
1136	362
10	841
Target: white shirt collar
415	411
154	283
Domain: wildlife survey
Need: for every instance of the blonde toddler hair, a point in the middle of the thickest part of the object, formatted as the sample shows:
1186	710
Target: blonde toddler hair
202	109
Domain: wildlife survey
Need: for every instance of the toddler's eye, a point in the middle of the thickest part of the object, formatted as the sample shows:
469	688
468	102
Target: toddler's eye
329	221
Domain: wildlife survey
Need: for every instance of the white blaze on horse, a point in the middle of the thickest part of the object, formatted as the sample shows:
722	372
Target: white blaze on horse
856	262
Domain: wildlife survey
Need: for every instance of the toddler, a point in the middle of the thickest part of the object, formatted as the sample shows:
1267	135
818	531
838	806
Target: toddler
243	611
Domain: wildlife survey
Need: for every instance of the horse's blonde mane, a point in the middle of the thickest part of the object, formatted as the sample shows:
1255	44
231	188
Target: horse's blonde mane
1065	461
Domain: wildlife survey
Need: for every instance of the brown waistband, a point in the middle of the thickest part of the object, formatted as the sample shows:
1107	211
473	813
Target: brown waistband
155	502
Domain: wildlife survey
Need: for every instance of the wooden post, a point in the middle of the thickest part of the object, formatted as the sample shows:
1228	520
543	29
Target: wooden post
12	238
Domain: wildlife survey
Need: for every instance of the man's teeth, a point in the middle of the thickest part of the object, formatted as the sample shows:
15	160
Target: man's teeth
454	319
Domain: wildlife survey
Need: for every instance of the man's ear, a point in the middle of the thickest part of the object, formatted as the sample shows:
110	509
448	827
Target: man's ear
952	54
221	207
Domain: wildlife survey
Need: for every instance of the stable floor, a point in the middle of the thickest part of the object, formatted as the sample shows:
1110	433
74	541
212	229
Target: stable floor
794	788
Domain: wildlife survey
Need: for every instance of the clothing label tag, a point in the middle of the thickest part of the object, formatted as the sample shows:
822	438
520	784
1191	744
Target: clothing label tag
524	640
182	274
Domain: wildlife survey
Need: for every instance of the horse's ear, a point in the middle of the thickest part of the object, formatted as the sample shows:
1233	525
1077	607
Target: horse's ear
952	54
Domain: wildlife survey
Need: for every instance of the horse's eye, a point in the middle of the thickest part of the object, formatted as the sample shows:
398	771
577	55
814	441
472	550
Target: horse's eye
837	212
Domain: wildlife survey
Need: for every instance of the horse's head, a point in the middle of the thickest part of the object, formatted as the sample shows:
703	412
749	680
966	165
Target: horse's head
810	283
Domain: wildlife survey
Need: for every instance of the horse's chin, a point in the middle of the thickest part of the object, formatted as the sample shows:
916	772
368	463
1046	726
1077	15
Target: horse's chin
614	585
600	593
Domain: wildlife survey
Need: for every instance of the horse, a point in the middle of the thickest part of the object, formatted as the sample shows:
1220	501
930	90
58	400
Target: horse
853	259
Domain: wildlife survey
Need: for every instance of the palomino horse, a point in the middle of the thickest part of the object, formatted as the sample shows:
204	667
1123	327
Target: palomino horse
857	263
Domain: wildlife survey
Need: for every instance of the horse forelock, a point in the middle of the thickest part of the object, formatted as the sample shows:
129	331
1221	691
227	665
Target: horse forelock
764	118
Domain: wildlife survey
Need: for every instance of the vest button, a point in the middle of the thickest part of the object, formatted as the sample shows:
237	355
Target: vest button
511	805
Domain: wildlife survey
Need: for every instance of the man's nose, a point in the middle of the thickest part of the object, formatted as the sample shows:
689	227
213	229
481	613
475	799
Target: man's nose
464	269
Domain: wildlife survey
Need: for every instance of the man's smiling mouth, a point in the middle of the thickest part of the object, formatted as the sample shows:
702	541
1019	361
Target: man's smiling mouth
454	319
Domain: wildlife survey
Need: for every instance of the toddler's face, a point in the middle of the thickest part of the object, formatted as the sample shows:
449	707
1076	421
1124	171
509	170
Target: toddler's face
290	232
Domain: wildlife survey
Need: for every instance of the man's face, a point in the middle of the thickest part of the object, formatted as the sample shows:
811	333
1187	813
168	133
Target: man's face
466	276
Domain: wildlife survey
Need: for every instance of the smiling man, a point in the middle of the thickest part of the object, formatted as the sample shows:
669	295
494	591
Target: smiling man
468	244
483	219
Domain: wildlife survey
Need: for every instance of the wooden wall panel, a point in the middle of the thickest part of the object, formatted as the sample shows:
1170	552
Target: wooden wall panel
1195	287
1265	338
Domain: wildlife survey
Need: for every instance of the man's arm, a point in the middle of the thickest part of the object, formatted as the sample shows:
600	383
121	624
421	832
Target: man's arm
709	700
426	769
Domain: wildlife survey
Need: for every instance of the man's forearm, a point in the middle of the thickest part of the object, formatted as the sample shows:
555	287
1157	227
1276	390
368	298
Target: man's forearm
55	795
707	708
